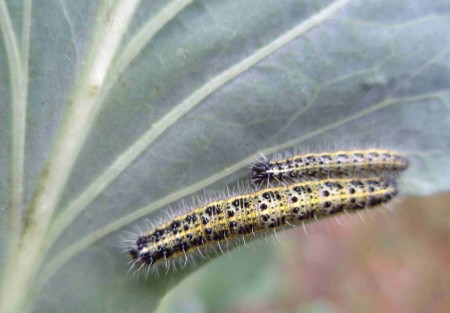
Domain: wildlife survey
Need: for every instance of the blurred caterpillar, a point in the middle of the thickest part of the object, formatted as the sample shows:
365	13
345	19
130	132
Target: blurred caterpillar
251	214
329	164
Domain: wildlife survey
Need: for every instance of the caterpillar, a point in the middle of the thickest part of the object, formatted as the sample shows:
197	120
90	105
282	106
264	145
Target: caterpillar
255	213
328	164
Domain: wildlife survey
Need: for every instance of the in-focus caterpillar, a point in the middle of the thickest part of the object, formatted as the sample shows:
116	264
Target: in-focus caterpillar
252	214
329	164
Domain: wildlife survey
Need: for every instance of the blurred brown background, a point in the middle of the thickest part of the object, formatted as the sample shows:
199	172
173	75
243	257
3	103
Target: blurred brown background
384	261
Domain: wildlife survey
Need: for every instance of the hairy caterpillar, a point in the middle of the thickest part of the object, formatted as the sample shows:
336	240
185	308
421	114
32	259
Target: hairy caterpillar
328	164
256	213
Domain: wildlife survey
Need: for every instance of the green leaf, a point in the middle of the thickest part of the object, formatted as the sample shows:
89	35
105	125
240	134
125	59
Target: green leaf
111	111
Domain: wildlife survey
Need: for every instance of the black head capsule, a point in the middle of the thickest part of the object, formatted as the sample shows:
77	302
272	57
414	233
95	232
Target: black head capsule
134	254
260	172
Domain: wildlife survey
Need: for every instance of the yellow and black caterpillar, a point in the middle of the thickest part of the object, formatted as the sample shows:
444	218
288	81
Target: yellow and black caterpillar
343	163
255	213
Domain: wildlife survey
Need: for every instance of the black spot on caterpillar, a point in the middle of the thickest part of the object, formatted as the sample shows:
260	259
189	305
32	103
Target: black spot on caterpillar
260	212
329	164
